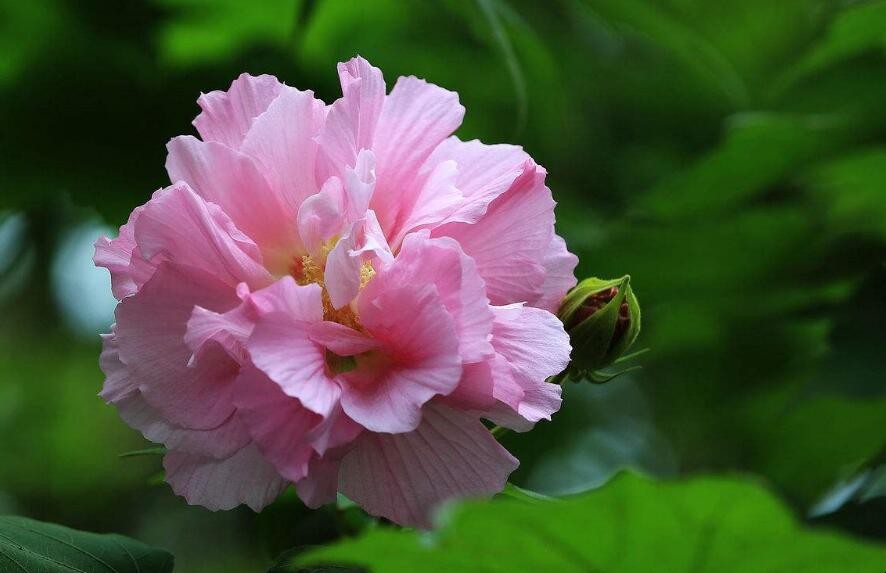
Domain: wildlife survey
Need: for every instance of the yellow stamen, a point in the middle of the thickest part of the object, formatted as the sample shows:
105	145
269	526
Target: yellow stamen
306	271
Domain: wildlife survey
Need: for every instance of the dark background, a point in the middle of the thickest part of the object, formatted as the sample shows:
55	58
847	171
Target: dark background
730	156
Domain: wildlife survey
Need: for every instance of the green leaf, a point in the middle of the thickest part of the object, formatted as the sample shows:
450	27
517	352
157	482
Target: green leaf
758	150
19	45
34	547
850	188
858	29
204	31
490	9
633	525
692	51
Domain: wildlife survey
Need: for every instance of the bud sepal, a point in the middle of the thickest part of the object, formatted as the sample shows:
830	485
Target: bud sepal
602	318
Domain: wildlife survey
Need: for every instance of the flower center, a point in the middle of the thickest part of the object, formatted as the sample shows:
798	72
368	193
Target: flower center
306	270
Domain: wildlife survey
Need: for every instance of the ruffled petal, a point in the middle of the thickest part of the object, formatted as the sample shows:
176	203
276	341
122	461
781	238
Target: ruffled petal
436	200
322	215
244	478
232	181
150	336
217	443
177	225
351	121
475	389
282	348
340	339
510	241
360	184
559	266
442	263
403	477
321	484
279	425
228	330
417	359
118	383
227	116
534	345
116	255
484	173
288	297
121	391
283	145
334	433
415	118
363	241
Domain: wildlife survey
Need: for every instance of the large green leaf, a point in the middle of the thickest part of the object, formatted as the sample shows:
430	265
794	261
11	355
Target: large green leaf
692	51
19	45
759	149
33	547
631	525
859	29
850	188
202	31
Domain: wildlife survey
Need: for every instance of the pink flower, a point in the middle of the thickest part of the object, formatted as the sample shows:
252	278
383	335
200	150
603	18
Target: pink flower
335	296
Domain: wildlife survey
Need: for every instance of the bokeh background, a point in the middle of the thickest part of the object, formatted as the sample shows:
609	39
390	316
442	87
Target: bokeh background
729	155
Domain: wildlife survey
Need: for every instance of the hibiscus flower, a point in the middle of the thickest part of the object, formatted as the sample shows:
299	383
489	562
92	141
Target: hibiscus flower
336	297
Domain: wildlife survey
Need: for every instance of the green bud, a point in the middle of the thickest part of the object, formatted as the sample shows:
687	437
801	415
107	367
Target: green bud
602	318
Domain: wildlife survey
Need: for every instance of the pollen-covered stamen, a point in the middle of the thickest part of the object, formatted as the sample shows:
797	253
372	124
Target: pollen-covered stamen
305	270
366	273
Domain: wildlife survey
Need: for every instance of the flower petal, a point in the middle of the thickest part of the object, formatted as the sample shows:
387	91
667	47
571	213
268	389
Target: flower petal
335	432
227	116
417	359
282	143
232	180
150	336
484	173
340	339
461	290
475	389
350	123
535	346
217	443
279	425
321	216
282	348
285	296
121	391
116	255
362	241
321	484
244	478
559	266
509	242
177	225
415	118
360	184
403	477
436	200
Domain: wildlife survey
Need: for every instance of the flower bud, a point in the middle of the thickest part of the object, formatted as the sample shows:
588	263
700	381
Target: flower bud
602	318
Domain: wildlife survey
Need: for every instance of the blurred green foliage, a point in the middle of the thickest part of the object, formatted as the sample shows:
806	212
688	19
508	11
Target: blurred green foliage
729	155
631	526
